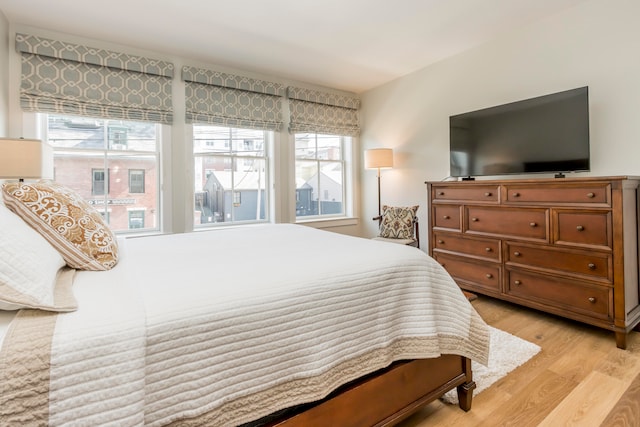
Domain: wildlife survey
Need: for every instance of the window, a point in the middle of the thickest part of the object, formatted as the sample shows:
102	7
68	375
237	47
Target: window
117	137
231	175
136	180
136	219
99	182
122	159
320	175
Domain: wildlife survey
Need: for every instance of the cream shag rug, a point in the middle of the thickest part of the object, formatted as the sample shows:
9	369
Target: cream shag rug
506	353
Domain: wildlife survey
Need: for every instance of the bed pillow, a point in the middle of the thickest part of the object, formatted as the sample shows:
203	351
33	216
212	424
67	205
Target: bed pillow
32	273
67	221
397	222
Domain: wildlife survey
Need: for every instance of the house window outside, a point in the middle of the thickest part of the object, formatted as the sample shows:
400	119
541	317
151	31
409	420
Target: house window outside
120	156
117	137
231	175
99	182
320	175
136	180
136	219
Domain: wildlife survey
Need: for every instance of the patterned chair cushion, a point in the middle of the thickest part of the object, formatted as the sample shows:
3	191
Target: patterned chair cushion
397	222
67	221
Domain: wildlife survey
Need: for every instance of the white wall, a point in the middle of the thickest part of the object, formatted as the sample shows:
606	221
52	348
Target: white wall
4	76
594	44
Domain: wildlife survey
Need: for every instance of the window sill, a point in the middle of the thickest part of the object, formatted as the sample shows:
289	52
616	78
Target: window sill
329	222
136	235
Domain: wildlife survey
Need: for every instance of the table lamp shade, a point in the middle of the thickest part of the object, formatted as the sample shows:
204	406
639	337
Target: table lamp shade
25	159
378	158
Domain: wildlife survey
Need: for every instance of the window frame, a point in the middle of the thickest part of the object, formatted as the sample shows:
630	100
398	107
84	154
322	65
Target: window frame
162	208
175	205
347	144
235	158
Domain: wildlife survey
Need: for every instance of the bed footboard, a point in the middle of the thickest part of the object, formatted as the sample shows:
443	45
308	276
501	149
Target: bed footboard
389	396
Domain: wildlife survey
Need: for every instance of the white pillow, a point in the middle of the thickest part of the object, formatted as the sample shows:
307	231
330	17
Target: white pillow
31	273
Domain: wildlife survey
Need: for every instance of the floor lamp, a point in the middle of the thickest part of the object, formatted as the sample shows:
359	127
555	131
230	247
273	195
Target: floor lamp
378	158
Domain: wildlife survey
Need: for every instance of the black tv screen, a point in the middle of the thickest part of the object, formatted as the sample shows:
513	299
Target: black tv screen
547	134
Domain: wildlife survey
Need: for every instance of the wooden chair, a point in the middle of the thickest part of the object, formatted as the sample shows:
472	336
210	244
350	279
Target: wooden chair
412	239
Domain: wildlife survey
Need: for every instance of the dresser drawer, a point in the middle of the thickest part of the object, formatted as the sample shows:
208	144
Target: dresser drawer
464	270
591	265
464	192
481	248
588	229
508	222
587	194
566	294
447	216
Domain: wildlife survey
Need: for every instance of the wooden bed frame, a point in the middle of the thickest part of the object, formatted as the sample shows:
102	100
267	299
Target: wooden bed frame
386	397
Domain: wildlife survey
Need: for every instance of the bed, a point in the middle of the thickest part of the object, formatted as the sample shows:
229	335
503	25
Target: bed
273	324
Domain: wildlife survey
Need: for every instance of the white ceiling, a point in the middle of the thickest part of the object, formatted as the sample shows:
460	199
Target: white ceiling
352	45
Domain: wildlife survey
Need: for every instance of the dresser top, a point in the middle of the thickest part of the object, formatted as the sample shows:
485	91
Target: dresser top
567	180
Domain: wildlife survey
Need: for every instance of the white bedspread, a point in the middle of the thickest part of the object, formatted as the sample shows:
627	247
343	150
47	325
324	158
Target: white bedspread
236	323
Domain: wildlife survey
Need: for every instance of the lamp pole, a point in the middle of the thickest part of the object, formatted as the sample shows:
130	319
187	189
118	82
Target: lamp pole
379	203
378	158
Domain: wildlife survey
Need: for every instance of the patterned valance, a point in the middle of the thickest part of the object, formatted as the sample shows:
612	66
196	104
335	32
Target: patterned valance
323	112
302	94
66	78
218	98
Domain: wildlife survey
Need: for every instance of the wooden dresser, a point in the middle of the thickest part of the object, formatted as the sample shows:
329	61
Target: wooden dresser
567	246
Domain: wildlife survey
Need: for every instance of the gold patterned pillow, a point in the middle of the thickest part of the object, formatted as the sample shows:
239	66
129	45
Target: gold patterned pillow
397	222
67	221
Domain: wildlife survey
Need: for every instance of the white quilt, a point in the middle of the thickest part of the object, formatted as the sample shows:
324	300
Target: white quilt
237	323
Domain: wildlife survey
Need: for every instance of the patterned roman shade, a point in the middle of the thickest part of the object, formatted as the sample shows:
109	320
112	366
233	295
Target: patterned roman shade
65	78
218	98
322	112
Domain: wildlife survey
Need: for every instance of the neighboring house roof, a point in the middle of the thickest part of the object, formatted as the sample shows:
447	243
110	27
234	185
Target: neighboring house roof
251	180
243	180
301	183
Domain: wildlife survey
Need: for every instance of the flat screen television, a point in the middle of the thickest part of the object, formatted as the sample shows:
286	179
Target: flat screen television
546	134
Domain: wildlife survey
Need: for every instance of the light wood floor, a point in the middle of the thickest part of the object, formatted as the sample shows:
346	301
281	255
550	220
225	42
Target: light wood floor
580	378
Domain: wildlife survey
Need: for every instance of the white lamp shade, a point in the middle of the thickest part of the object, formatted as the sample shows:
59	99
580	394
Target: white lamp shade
25	159
378	158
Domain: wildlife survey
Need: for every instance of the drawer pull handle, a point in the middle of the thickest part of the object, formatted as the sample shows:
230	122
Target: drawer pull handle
517	282
580	228
489	275
446	217
592	300
474	219
488	249
516	194
516	253
441	242
591	266
487	194
533	224
441	193
591	195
